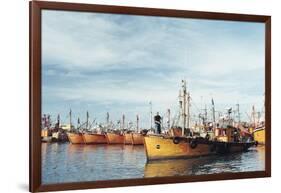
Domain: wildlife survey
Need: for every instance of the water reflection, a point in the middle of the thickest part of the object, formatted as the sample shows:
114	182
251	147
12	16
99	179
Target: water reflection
74	163
253	160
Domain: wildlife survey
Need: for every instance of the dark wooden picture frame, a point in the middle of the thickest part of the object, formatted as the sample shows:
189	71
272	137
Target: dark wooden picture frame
35	93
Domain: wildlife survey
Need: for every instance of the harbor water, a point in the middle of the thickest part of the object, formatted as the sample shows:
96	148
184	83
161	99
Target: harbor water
64	162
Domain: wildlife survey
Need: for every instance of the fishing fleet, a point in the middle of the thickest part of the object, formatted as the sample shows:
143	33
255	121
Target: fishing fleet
179	138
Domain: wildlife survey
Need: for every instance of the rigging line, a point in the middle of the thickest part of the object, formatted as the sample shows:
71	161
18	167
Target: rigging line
194	104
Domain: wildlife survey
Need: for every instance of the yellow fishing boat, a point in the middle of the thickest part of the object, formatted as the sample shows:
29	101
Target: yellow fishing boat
184	144
259	135
165	147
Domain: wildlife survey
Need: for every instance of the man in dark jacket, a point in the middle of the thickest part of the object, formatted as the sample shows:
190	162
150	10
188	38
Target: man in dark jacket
157	121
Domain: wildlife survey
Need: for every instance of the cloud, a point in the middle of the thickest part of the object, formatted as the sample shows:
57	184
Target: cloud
119	63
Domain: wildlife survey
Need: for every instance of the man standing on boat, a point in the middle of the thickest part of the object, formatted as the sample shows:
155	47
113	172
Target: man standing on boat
157	121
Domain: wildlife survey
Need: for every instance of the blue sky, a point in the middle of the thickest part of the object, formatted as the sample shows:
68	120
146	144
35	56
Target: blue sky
118	63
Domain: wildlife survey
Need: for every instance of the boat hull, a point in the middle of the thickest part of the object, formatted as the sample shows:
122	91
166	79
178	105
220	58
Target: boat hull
75	138
45	133
159	147
47	139
113	138
128	140
137	139
259	136
94	138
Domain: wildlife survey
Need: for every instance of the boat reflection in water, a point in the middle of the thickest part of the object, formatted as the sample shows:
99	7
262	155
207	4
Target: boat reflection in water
236	162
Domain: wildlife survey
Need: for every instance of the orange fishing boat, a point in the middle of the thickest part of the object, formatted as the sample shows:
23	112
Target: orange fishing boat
94	138
138	136
128	139
138	139
114	138
75	138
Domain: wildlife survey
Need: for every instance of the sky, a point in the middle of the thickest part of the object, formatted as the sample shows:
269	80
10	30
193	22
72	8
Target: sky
119	63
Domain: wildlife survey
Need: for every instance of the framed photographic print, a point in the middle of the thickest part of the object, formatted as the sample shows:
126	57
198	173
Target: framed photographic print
123	96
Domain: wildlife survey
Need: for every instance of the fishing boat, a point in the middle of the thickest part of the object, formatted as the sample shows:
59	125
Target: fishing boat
259	135
138	136
225	139
94	138
75	138
137	139
115	138
93	135
46	134
258	126
74	135
128	140
116	135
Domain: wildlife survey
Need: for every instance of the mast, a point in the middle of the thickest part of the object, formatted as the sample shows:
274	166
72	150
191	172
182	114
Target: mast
253	115
188	109
259	117
123	121
78	122
87	120
107	120
206	114
169	119
58	120
70	123
184	105
137	123
213	110
238	113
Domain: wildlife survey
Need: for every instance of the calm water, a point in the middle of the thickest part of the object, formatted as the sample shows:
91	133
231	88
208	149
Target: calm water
72	163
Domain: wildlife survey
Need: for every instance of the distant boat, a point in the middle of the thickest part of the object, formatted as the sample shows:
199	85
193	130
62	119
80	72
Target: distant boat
94	138
128	138
74	135
75	138
59	136
115	138
46	135
138	139
138	136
